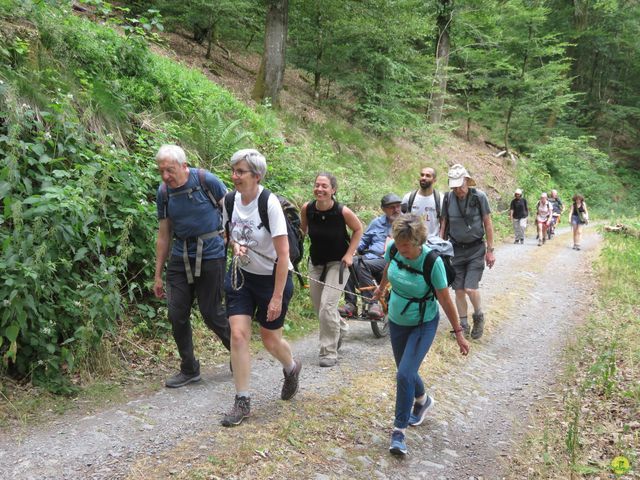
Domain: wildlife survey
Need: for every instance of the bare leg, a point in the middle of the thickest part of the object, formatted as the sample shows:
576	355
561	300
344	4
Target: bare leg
240	355
277	346
461	302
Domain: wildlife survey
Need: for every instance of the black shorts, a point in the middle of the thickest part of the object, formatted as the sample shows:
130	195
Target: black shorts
254	297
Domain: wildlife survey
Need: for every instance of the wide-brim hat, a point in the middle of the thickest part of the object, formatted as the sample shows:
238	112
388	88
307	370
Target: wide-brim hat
457	174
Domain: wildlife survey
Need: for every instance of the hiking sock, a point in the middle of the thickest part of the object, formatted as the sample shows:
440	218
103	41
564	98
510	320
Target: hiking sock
421	399
242	394
290	368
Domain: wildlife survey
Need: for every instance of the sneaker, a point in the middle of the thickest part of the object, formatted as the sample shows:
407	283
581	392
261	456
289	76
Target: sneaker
327	362
181	379
420	411
478	326
348	310
241	410
375	311
290	385
577	247
398	445
516	241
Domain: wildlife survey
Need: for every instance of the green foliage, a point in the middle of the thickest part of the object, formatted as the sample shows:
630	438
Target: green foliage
574	166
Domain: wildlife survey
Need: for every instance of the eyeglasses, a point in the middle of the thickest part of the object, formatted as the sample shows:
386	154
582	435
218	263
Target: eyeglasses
239	172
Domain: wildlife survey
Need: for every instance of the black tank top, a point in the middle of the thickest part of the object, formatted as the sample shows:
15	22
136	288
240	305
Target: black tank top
328	234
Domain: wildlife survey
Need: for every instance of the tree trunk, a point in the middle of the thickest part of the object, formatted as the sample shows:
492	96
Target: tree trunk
507	125
271	74
442	61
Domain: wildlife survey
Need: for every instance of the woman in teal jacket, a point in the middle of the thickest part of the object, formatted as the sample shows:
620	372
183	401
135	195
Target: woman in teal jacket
413	320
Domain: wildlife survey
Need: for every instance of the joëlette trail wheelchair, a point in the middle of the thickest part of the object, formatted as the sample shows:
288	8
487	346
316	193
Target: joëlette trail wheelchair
379	326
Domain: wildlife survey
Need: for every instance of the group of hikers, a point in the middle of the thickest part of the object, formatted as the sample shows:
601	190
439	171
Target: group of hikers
419	246
549	210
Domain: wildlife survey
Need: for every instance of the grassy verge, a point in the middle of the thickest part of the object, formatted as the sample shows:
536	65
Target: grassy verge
597	420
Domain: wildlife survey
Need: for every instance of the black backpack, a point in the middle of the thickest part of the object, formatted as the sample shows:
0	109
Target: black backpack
412	198
427	267
295	234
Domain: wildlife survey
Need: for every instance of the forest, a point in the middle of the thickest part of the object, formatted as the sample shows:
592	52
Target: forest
86	99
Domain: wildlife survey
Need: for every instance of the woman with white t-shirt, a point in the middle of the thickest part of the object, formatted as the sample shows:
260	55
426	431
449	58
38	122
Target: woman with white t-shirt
259	283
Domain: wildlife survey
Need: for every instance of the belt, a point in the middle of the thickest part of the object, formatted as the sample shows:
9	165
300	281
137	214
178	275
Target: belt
200	244
475	243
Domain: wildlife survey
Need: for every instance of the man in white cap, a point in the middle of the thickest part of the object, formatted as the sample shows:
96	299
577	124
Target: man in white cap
518	213
466	219
425	201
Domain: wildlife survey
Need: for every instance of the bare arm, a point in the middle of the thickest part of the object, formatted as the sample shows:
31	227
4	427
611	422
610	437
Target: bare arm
281	244
355	226
304	225
162	252
444	298
490	257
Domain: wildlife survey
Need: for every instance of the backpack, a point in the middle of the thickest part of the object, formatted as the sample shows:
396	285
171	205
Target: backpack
412	198
295	235
203	186
474	202
437	250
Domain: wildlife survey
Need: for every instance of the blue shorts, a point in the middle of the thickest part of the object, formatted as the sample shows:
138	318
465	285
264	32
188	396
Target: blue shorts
254	297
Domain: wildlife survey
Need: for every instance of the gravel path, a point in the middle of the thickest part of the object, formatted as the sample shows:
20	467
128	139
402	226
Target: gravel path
480	411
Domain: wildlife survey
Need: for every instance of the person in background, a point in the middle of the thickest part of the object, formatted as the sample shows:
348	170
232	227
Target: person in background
330	255
370	262
518	214
259	283
558	210
544	212
413	320
425	201
198	257
466	219
579	216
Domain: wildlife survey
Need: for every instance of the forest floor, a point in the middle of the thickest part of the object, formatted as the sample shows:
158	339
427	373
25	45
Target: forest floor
338	425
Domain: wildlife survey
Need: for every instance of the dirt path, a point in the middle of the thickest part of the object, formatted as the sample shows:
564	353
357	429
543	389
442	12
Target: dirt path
532	303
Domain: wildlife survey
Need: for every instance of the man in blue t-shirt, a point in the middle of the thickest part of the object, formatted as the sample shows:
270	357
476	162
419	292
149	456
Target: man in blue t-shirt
187	203
370	262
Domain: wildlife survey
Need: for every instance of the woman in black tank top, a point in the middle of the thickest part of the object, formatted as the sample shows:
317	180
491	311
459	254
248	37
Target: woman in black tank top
326	222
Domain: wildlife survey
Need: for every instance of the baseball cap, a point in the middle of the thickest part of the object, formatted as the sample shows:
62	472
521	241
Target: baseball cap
518	191
390	199
457	174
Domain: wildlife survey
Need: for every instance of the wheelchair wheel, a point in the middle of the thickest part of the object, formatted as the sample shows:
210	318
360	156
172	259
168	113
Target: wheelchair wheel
381	327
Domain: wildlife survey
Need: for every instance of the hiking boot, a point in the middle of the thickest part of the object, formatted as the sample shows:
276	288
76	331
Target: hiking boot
290	385
398	445
241	410
478	326
420	411
181	379
327	362
539	243
375	311
348	310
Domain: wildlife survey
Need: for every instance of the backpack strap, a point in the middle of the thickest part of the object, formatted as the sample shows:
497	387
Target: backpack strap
263	209
165	199
412	198
205	188
436	199
229	202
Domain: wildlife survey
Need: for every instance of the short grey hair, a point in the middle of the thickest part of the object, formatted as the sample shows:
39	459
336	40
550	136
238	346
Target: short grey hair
171	152
255	160
409	226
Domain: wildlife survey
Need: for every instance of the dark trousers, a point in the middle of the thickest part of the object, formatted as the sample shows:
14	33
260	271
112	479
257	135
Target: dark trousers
368	271
208	288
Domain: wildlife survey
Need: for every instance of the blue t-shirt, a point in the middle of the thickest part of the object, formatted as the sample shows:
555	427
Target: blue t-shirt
192	215
406	284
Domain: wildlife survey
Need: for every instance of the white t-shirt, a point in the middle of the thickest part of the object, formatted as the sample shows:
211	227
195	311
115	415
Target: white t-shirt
426	208
246	229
